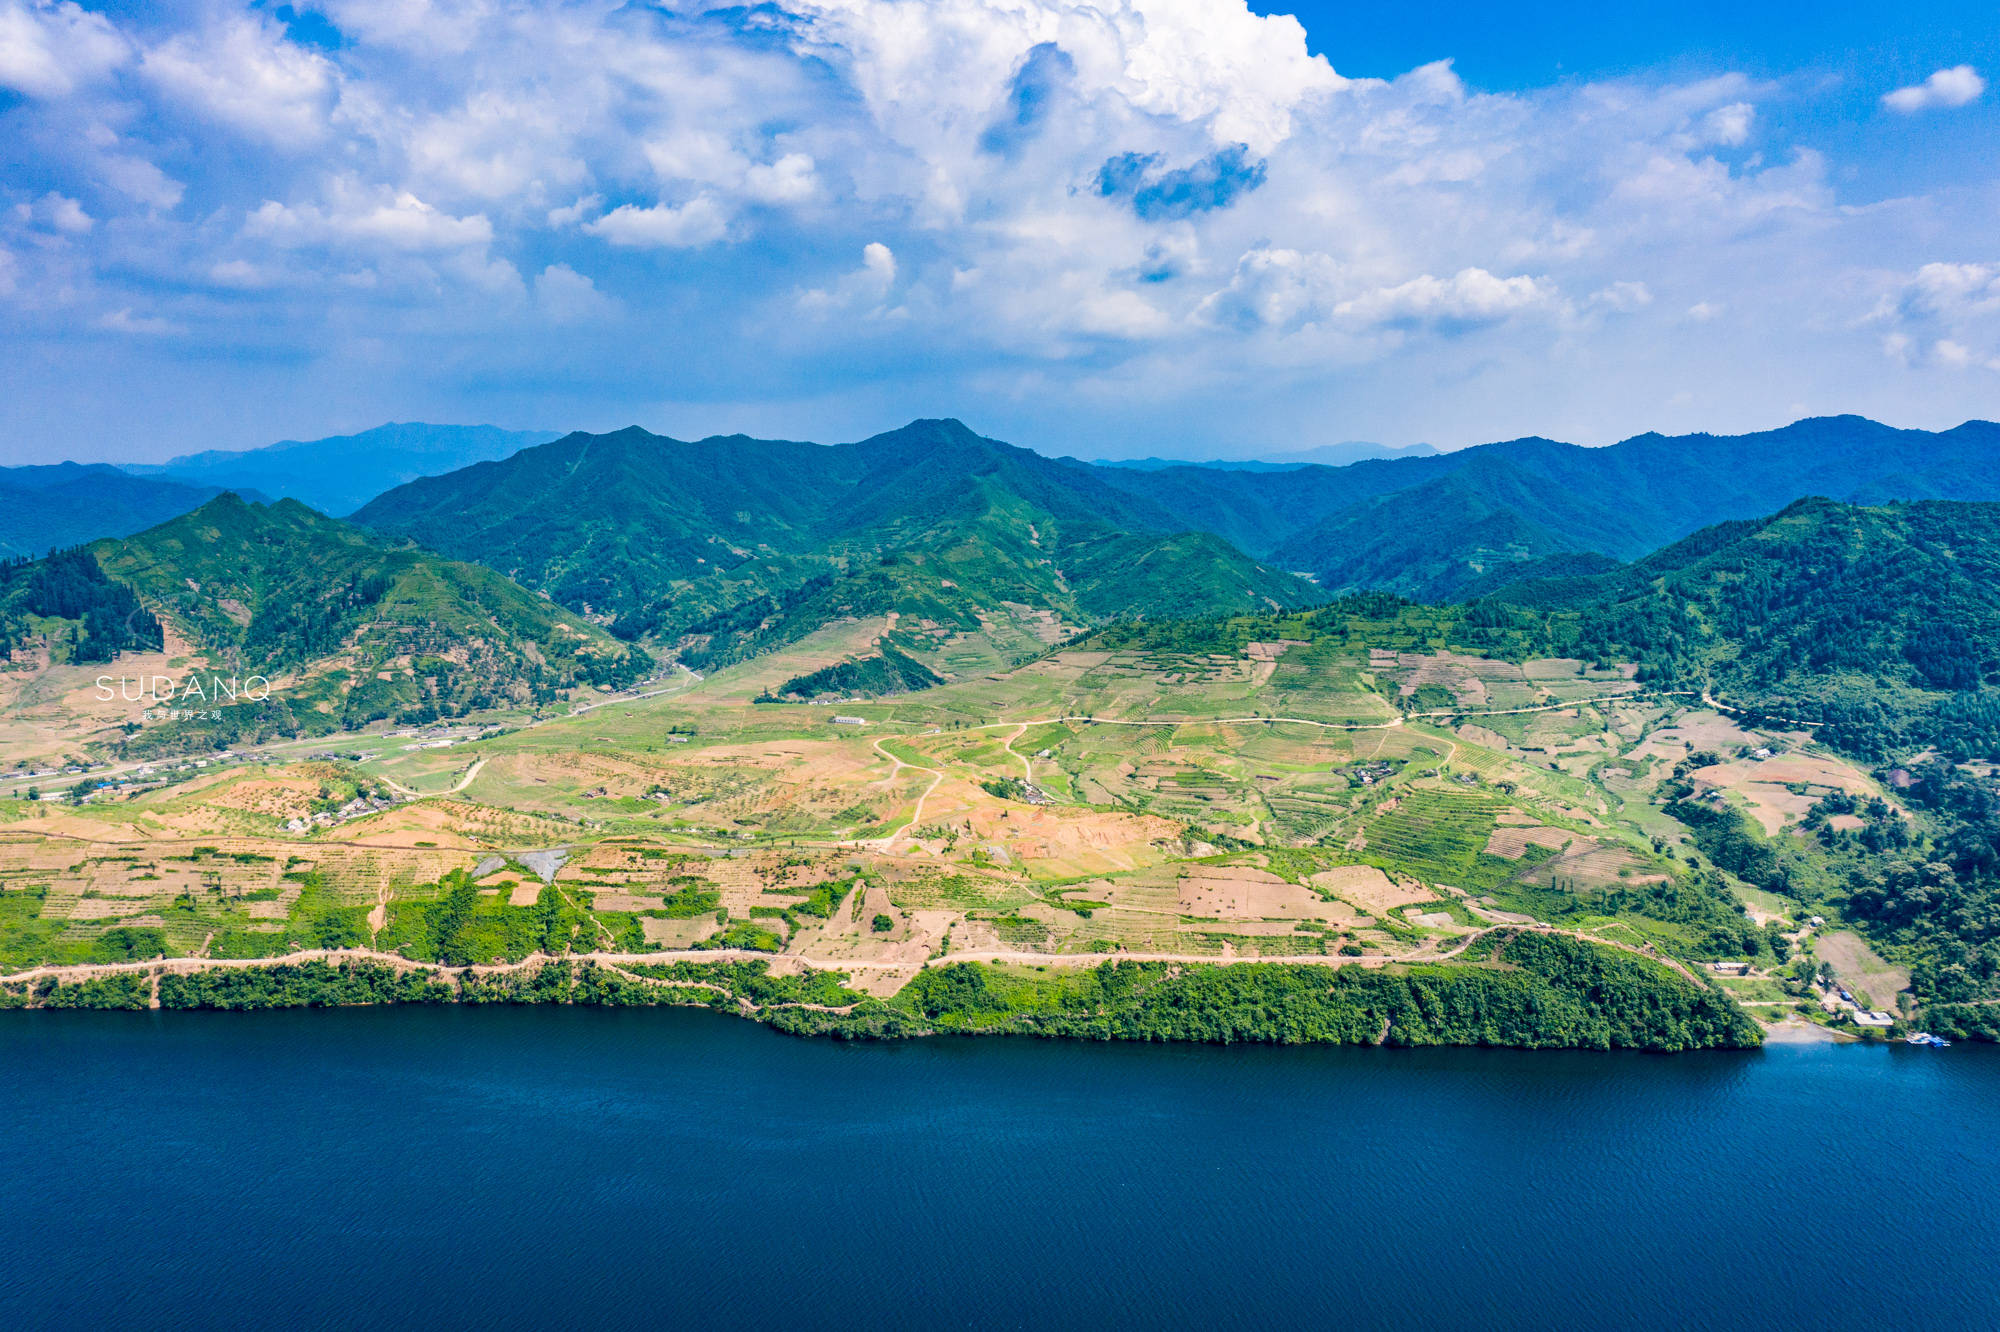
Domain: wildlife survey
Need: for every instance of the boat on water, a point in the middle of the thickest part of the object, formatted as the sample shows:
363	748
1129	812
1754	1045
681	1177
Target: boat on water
1925	1038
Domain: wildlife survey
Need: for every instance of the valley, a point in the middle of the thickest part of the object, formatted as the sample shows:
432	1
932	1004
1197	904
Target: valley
912	734
1283	803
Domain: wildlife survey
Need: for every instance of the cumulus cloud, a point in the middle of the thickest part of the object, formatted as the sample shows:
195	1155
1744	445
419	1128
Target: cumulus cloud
1623	297
565	296
1275	288
1124	203
1729	125
124	321
138	179
1952	291
245	74
56	212
699	221
789	180
1469	296
379	218
1957	86
50	50
1943	314
866	286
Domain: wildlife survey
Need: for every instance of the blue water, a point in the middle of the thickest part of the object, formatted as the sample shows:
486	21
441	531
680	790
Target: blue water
564	1167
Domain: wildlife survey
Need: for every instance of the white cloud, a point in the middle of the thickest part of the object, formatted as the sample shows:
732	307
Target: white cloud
139	180
1623	297
1126	203
565	296
430	27
570	214
57	212
1469	296
124	321
788	180
498	145
238	273
880	263
936	66
246	75
49	50
1729	125
1953	291
1956	86
1119	314
866	286
1275	288
356	215
700	221
1942	314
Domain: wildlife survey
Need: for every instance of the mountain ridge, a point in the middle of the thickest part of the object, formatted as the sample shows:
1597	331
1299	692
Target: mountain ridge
663	536
340	473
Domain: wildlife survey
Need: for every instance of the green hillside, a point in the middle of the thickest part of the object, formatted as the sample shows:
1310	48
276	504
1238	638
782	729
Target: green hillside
372	632
67	605
1435	527
730	546
1881	625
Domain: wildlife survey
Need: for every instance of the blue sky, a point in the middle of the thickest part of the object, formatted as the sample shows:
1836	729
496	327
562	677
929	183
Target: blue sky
1130	227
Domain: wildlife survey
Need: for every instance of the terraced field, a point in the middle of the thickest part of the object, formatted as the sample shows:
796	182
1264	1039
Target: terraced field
1052	811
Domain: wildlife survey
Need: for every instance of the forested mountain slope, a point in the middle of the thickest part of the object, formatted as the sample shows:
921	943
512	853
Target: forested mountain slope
1881	624
364	631
1432	527
765	539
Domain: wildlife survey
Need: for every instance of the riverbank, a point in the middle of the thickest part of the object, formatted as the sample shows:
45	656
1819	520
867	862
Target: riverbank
1524	989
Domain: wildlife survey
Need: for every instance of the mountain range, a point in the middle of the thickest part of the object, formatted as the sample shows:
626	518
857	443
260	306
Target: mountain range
1432	527
746	543
659	534
339	474
720	548
66	504
1880	625
1326	455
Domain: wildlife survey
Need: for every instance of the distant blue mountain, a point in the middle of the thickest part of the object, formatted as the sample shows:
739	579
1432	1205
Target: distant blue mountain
66	504
339	474
1326	455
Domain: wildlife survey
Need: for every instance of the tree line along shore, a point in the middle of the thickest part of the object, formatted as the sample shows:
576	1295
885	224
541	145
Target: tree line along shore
1526	990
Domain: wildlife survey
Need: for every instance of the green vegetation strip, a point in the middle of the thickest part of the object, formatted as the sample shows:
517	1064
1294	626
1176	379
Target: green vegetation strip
1524	990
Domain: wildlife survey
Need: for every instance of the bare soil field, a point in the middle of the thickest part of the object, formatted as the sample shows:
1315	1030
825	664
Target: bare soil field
1765	784
1870	977
1512	842
1242	893
1370	889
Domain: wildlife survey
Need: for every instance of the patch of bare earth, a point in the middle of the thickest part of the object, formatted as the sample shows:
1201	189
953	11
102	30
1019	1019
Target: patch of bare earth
1370	889
1865	973
1242	893
1511	843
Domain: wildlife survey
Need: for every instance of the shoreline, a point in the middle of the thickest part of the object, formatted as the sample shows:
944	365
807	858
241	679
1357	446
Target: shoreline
1527	989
